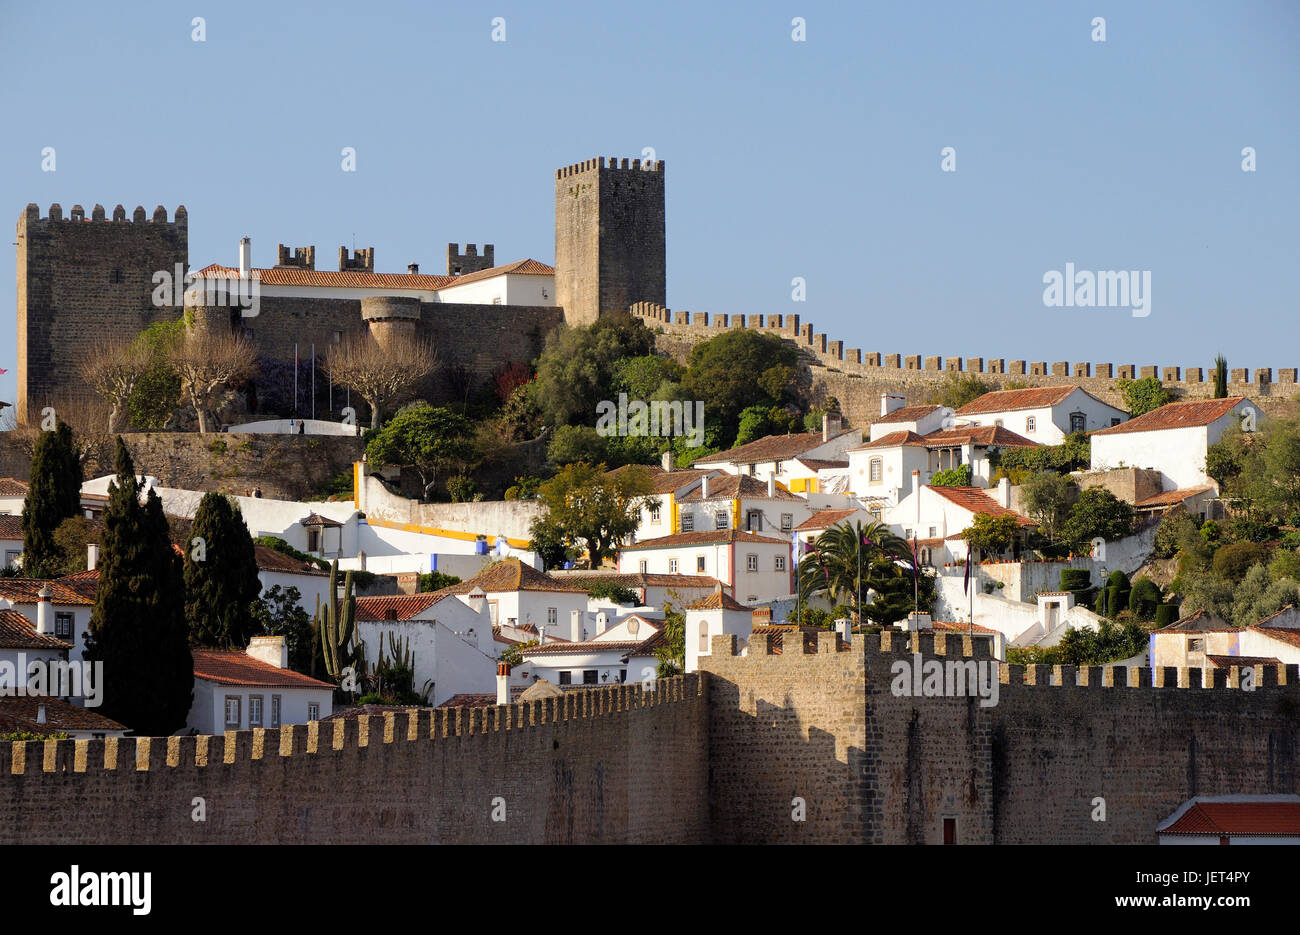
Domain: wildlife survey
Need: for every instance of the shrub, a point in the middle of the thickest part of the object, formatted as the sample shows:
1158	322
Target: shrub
1175	526
1166	614
1210	531
436	581
1117	601
1249	530
461	488
1285	564
1075	579
1233	560
1144	598
1117	579
953	477
611	591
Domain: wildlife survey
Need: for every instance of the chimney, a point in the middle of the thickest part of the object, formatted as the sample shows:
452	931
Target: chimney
503	683
40	713
413	269
771	486
889	402
1004	492
44	621
667	461
704	487
830	425
92	556
575	625
361	559
273	650
477	600
917	622
245	257
602	621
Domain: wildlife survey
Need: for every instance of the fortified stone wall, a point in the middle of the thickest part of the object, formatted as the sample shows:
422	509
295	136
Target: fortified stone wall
611	765
857	378
1026	770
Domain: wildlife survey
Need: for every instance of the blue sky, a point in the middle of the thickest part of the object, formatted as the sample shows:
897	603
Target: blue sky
818	159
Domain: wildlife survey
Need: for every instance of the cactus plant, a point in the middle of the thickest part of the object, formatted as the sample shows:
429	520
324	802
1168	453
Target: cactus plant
335	625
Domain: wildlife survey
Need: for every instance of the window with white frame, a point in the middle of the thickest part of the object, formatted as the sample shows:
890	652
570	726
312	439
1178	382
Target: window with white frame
654	512
877	466
699	564
63	626
780	563
688	522
721	520
313	710
275	711
751	562
232	712
1030	423
642	566
672	566
754	520
254	710
787	522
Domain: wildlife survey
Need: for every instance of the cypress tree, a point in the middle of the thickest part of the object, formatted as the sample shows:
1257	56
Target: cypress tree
1220	377
137	627
221	583
53	495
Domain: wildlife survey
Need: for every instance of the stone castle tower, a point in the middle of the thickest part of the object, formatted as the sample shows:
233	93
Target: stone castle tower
82	280
609	237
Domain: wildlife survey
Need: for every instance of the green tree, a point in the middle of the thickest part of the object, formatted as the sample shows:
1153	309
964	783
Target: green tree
1097	513
430	439
953	477
590	509
738	369
71	538
157	394
641	377
991	534
1255	597
280	613
1046	497
572	443
762	420
578	367
137	627
53	495
1220	377
221	583
1144	395
436	581
671	653
1233	560
850	561
1144	598
957	389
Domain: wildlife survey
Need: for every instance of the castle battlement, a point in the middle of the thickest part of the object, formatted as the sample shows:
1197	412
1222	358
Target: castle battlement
321	738
609	165
32	215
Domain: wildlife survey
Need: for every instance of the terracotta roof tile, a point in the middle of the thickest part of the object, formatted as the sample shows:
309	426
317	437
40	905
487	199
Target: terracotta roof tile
988	435
83	582
893	439
623	647
976	500
1278	817
719	600
824	519
730	486
1227	662
1038	397
1172	497
518	268
11	527
21	713
345	279
27	591
234	667
397	606
268	559
315	519
705	537
1200	622
353	712
958	628
17	632
906	414
822	464
771	448
12	487
1281	634
508	574
1184	415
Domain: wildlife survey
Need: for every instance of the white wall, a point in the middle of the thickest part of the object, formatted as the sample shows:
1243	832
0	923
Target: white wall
208	712
764	585
290	427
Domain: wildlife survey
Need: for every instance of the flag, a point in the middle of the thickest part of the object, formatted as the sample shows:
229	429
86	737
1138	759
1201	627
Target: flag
3	371
965	588
916	582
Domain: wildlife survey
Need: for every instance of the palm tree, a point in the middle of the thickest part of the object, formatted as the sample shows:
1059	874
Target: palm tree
851	560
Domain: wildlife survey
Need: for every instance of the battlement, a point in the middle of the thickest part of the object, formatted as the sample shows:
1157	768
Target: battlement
142	754
303	257
460	264
32	215
362	260
601	164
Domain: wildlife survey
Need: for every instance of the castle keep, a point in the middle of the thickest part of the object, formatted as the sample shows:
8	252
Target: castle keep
792	737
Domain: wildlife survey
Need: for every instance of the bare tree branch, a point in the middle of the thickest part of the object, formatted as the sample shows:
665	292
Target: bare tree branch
383	374
209	363
112	370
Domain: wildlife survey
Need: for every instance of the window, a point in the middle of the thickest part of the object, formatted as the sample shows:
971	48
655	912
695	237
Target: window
654	512
492	611
1114	421
720	520
313	711
254	710
1030	423
590	677
876	465
787	522
751	562
642	566
754	521
776	469
63	626
780	563
672	566
232	712
688	522
704	636
275	710
552	615
313	540
699	564
338	337
753	470
12	556
622	675
566	678
1196	646
115	276
1077	422
932	532
950	831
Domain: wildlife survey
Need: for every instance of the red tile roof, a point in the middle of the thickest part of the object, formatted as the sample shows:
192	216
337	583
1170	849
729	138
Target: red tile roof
729	486
1196	412
1227	662
12	487
268	559
11	527
20	713
396	606
315	519
622	647
17	632
27	590
1172	497
958	628
1267	817
233	667
824	519
771	448
518	268
358	279
988	435
510	574
822	464
1200	622
906	414
634	579
892	439
372	710
705	537
976	500
83	582
1038	397
719	600
1281	634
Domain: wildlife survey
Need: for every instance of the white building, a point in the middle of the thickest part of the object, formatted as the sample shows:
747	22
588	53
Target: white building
1044	414
937	516
12	494
520	595
1173	439
768	456
39	715
239	690
651	589
897	417
753	568
11	540
623	652
738	501
716	615
1233	819
275	568
65	615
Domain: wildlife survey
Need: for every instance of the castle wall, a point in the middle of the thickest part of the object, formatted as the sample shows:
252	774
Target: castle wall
602	766
83	281
857	378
